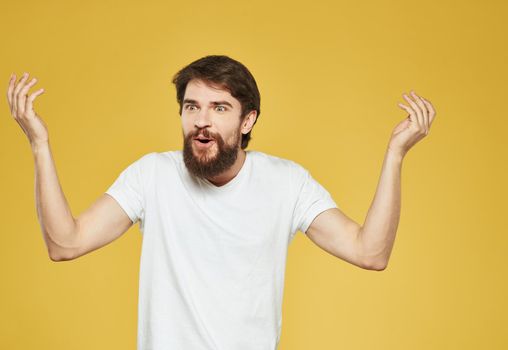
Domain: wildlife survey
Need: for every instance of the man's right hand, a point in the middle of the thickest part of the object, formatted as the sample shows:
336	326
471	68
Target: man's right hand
21	106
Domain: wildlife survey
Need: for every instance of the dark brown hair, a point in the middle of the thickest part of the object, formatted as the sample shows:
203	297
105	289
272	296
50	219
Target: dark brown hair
226	73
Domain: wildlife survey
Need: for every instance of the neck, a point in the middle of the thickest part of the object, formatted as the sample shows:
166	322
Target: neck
228	175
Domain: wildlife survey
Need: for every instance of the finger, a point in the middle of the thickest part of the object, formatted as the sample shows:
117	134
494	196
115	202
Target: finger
10	89
18	87
412	114
31	98
432	112
425	113
23	94
417	110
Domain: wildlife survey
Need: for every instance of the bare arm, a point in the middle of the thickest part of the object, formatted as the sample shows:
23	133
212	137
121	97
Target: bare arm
65	237
378	232
369	246
55	218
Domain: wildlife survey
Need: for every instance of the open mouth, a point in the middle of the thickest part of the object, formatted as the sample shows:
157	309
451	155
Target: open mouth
204	140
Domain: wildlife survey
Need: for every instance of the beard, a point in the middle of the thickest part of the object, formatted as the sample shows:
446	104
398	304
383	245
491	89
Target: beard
200	163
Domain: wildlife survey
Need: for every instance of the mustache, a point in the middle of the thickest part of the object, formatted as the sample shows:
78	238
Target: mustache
205	132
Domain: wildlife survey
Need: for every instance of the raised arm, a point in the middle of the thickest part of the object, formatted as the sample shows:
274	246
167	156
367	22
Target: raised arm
65	237
369	246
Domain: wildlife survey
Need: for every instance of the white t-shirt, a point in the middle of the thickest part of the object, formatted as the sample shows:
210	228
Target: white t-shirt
213	258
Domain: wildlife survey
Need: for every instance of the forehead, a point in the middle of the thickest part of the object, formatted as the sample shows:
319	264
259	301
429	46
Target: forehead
205	92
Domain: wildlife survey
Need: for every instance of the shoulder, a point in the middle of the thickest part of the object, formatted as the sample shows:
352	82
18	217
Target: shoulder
148	162
155	158
147	166
274	164
166	162
171	156
144	161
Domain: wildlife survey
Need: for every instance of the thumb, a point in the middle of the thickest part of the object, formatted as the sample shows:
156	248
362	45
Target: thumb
31	98
402	126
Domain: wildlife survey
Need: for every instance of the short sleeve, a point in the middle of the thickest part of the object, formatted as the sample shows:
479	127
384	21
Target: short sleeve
128	189
312	199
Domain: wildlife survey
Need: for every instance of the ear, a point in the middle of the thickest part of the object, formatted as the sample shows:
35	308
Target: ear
248	121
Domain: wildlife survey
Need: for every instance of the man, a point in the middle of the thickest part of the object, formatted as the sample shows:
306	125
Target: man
216	219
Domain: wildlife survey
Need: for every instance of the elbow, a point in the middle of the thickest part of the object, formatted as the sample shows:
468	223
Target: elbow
59	256
375	260
56	258
379	267
57	252
375	265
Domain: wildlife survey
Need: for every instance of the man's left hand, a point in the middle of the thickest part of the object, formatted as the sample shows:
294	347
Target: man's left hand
415	127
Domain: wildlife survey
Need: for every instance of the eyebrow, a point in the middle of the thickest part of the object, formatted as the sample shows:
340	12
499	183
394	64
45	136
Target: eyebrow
215	103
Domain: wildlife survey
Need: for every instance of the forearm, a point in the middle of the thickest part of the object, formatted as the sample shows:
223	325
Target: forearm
55	217
377	234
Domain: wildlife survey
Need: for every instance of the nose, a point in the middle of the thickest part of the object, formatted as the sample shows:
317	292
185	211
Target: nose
202	119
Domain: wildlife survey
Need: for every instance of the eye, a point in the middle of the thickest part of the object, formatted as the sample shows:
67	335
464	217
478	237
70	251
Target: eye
223	108
189	106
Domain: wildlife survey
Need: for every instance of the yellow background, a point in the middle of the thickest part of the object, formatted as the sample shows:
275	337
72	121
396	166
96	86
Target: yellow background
330	75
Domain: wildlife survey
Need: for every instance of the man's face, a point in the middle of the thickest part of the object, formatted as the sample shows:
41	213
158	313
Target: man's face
211	129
